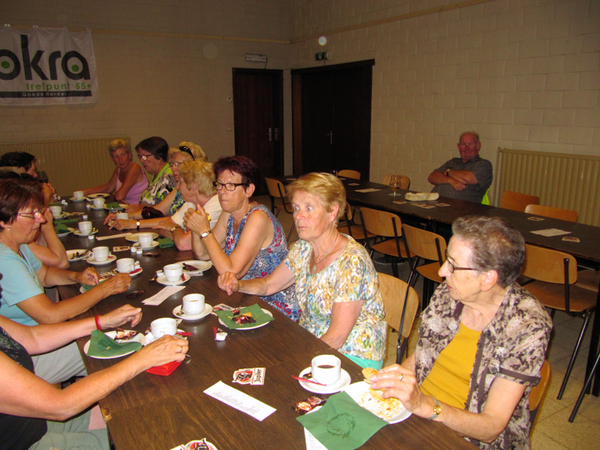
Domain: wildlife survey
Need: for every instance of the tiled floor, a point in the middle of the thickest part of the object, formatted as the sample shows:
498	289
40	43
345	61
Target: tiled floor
551	431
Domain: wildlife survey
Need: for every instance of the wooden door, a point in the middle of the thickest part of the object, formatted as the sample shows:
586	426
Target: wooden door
332	118
258	119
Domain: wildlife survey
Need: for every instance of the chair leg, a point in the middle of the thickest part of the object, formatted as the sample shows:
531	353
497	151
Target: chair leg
291	231
586	386
574	355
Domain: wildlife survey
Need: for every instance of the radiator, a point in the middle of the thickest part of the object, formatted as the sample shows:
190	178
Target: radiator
70	164
559	180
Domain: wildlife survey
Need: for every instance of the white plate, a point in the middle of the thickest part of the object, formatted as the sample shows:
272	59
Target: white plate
121	207
139	337
93	262
360	393
95	208
154	244
62	216
331	389
66	233
133	237
79	233
201	266
163	280
73	199
251	328
135	272
81	251
93	196
177	313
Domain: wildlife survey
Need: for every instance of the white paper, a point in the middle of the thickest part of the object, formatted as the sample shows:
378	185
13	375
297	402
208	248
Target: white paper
162	295
551	232
311	442
240	401
366	191
112	236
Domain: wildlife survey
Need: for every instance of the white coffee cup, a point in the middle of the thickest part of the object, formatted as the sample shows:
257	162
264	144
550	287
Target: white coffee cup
193	304
173	272
98	202
326	369
122	216
100	253
145	239
163	326
56	211
78	195
85	227
125	265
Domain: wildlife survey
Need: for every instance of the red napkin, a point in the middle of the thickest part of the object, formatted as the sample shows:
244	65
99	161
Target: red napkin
165	369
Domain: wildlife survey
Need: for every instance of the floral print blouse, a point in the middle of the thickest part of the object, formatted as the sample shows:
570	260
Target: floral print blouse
351	277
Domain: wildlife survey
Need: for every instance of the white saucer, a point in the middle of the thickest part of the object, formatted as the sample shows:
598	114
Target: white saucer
163	280
201	266
135	272
331	389
252	328
93	262
177	313
139	337
93	196
133	237
62	216
66	233
95	208
80	251
154	244
73	199
79	233
121	207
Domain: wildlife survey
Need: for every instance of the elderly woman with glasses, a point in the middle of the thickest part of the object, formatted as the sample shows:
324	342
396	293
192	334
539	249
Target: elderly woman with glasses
247	240
128	180
482	341
24	277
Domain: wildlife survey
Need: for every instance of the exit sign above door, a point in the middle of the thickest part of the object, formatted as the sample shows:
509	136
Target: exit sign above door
322	56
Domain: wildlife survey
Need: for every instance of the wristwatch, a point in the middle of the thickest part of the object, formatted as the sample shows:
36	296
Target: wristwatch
206	233
173	229
447	172
437	410
137	224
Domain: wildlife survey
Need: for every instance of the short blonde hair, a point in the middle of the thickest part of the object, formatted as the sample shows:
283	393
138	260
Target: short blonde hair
328	188
195	149
116	144
199	172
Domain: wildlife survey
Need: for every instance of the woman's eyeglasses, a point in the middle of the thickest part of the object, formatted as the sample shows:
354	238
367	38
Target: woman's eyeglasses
145	157
228	186
187	150
452	268
32	214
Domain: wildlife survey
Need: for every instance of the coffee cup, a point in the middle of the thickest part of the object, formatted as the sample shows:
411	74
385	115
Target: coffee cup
193	304
125	265
98	202
122	216
145	239
56	211
78	195
173	272
326	369
163	326
100	253
85	227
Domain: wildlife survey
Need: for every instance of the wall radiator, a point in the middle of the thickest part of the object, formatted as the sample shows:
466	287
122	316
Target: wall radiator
559	180
70	164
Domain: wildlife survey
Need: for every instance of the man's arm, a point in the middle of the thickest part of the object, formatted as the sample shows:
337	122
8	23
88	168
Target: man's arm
436	177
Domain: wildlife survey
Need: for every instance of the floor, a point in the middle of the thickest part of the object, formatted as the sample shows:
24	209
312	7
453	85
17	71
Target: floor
551	431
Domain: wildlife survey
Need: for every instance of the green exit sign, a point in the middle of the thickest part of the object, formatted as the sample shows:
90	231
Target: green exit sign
322	56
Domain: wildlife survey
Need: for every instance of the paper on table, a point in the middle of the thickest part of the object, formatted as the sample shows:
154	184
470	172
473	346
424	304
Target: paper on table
366	191
112	236
551	232
162	295
240	401
311	442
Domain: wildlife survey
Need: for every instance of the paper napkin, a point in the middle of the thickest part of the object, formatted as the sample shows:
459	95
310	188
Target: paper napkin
161	296
258	315
165	242
103	346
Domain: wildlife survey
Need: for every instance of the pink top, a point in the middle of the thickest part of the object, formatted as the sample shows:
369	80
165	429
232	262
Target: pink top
133	196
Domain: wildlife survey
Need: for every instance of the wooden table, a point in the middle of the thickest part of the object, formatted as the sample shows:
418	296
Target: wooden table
152	411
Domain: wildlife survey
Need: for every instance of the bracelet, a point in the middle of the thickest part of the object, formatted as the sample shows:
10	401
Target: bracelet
97	319
437	410
137	224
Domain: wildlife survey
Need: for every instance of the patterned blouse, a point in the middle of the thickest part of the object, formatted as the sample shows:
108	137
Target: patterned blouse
266	261
512	346
160	186
351	277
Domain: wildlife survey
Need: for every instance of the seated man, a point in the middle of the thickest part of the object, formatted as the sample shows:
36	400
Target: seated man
465	178
24	161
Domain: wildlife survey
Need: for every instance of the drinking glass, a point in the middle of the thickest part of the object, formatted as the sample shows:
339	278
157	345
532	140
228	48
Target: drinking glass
394	184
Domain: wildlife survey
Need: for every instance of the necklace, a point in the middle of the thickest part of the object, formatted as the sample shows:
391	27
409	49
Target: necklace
314	266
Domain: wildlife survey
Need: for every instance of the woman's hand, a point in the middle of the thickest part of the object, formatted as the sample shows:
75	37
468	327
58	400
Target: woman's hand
48	192
122	224
111	217
49	218
401	383
115	285
165	224
228	282
120	316
134	209
196	221
164	350
89	276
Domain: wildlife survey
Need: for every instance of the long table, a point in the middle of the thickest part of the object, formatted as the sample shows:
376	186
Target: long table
157	412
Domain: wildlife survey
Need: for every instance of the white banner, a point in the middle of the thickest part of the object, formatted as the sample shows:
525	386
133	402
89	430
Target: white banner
46	66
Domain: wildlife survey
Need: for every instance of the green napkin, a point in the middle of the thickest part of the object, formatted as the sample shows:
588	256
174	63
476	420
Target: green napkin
104	347
165	242
257	314
56	222
341	424
55	204
114	205
60	228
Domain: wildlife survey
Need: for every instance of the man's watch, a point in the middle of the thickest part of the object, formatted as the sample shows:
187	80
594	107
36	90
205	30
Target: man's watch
437	409
206	233
447	172
137	224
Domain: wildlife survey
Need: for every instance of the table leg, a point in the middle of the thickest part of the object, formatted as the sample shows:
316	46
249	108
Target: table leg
593	352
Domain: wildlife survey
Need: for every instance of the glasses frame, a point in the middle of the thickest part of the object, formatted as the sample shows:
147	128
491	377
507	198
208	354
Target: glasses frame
452	268
216	185
145	157
32	214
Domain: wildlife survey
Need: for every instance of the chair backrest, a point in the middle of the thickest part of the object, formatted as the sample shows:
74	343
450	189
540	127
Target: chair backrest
550	211
423	243
517	201
393	292
404	181
548	265
276	188
348	173
537	393
381	223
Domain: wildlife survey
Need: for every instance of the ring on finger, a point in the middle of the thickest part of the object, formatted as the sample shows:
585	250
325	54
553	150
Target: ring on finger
181	349
400	377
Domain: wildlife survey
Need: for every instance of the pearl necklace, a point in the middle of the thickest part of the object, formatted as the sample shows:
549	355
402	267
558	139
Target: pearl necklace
314	266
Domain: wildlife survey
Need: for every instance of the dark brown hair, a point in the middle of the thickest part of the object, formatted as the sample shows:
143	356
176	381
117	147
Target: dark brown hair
16	195
239	164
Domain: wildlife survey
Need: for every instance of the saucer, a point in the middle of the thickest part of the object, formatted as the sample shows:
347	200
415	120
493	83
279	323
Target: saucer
93	196
330	389
95	208
177	313
137	245
77	254
200	266
73	199
62	216
93	262
79	233
133	237
135	272
163	280
65	233
121	207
